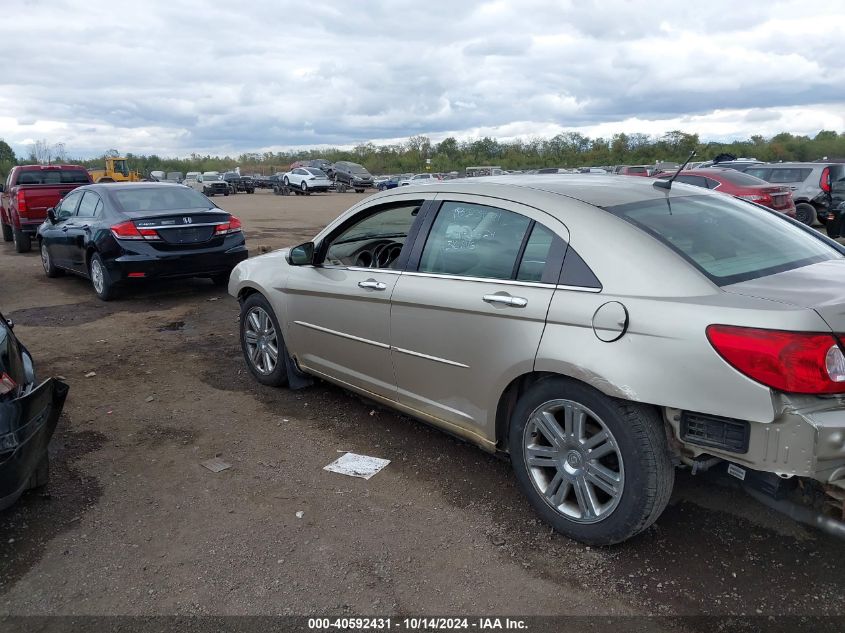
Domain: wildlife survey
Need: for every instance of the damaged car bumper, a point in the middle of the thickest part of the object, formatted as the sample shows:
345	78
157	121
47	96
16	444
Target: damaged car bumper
807	439
26	426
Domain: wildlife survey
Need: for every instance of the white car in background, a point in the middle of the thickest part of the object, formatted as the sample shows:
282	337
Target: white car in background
307	179
209	183
419	179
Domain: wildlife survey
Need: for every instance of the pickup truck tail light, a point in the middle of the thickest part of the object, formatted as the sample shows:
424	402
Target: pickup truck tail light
794	362
232	226
22	210
824	181
128	231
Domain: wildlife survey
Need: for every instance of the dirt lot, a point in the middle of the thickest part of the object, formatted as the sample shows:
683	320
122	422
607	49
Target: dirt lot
132	524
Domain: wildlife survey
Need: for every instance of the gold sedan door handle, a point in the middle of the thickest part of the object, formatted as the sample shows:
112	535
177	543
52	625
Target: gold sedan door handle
516	302
372	284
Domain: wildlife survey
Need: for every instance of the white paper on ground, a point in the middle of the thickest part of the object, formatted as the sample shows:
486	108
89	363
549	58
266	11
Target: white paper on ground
215	464
356	465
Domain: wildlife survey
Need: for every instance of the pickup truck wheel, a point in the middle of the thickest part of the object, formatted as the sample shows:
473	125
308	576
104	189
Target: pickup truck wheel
23	243
7	232
596	468
806	213
100	278
261	342
49	268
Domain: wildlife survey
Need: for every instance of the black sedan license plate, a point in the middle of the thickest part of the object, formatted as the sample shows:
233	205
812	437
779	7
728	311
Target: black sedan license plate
187	236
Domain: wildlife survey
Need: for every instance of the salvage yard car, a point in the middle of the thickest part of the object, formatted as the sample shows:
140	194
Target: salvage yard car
810	184
210	183
351	175
307	180
28	192
115	234
28	416
598	330
736	183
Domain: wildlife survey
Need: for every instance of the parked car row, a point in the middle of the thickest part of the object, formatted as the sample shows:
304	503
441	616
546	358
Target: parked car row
809	184
738	184
638	324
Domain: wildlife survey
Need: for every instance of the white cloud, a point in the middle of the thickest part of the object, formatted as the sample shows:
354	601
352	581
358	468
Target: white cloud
171	78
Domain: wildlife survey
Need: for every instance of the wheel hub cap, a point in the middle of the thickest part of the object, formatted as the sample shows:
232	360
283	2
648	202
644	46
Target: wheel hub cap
260	341
573	461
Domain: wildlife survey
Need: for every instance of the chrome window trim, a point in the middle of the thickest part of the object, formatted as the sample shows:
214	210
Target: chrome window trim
489	280
578	288
507	282
342	334
357	269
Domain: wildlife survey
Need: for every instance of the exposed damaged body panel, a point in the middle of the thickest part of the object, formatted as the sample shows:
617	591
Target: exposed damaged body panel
26	426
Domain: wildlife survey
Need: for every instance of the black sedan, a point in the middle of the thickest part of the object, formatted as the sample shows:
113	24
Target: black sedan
116	233
28	416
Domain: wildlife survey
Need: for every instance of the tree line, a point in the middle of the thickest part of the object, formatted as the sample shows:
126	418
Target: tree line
418	153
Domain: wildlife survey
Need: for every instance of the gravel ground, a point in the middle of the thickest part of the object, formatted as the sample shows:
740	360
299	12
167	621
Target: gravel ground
132	524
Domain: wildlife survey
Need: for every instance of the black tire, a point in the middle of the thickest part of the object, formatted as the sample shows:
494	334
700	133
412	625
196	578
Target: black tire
303	187
833	227
23	242
278	377
7	232
806	213
47	261
640	446
359	191
106	289
221	279
286	181
41	476
226	194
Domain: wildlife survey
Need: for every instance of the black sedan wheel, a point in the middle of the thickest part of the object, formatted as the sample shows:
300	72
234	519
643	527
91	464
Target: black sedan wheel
49	268
261	342
100	278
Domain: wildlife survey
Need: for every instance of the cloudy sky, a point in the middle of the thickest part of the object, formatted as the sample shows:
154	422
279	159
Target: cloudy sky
172	77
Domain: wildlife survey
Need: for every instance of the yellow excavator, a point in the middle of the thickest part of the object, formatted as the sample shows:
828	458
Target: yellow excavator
115	171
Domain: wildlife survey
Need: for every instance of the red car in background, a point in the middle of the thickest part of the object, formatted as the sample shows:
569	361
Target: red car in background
736	183
27	194
633	170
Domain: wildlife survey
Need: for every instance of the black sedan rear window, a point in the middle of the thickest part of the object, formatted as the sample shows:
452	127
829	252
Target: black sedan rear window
726	239
163	198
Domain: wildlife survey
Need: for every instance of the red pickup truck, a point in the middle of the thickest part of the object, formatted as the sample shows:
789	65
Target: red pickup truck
27	194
